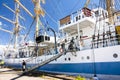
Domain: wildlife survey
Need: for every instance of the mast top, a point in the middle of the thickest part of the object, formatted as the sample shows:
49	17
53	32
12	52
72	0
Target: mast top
38	9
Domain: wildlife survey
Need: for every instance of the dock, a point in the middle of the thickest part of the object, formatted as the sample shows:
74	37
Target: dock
10	74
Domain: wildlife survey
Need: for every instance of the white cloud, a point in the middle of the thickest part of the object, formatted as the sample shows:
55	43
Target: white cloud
0	23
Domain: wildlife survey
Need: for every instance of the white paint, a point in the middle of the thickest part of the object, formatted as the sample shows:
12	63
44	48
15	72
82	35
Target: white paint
0	23
101	55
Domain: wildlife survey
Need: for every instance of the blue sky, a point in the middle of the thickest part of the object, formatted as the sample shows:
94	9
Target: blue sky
56	9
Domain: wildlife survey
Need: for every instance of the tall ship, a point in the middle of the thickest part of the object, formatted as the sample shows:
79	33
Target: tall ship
89	44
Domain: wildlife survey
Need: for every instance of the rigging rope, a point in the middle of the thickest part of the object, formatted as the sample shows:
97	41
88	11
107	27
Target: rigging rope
74	6
50	17
30	28
56	6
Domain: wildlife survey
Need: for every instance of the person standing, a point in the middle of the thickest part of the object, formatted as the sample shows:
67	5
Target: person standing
23	65
2	64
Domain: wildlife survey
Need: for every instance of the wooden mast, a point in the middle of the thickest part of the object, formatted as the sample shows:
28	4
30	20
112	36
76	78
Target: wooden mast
16	29
38	11
109	7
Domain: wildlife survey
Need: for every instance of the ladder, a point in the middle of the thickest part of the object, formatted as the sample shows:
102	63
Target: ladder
43	63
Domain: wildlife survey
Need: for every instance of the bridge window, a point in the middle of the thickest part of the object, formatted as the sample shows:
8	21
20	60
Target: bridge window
76	18
82	16
97	13
79	17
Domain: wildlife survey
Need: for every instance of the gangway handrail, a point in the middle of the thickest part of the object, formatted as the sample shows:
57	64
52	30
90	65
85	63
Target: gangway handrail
43	63
30	59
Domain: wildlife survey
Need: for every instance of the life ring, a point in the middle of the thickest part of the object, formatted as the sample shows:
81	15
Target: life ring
60	50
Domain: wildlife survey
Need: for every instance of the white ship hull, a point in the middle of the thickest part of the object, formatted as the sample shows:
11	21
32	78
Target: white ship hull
102	61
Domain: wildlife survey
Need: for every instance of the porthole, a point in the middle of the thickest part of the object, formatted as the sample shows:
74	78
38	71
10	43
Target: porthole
65	59
82	58
69	59
88	57
55	59
115	55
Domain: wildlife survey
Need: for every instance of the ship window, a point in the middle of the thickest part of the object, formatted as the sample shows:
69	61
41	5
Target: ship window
72	38
115	55
65	40
69	22
82	16
58	44
45	37
118	17
76	18
81	32
106	15
103	13
69	59
88	57
96	13
79	17
55	59
48	38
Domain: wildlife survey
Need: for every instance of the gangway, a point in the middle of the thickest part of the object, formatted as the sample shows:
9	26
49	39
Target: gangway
43	63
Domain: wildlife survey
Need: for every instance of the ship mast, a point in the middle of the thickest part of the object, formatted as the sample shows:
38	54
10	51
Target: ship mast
16	29
16	22
38	11
110	8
